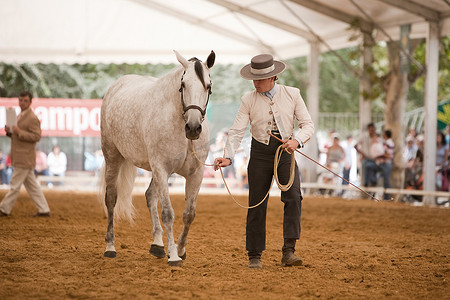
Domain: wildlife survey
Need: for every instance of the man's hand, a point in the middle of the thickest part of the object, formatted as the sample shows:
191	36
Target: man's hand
290	145
16	130
221	162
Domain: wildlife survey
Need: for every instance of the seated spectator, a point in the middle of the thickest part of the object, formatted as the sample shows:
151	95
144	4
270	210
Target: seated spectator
3	169
57	163
41	163
413	162
242	170
442	172
348	149
9	168
335	159
414	176
447	135
412	133
409	153
217	150
93	162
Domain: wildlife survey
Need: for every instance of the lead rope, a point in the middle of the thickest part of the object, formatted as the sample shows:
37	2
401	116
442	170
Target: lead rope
276	161
361	190
275	166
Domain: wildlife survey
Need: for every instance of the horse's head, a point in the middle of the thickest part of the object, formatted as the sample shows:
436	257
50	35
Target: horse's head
195	90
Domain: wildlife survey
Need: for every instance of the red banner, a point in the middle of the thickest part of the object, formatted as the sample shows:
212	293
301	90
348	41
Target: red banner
60	117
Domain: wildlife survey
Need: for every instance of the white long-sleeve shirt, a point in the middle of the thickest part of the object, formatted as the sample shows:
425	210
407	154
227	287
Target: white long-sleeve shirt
286	106
57	164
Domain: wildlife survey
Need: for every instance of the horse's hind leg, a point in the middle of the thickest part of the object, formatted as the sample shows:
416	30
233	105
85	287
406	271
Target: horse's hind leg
112	166
193	183
157	247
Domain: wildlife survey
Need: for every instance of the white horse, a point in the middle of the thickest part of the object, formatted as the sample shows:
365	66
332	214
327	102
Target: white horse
150	123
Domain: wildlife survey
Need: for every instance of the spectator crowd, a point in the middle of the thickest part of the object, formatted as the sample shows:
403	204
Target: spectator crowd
373	166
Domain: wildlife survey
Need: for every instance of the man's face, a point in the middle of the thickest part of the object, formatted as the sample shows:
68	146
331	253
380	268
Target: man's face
24	102
263	85
371	130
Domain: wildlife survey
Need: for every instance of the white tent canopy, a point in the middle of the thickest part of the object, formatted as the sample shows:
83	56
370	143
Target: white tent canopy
146	31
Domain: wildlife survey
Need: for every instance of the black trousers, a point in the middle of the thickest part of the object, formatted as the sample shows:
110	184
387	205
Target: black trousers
260	172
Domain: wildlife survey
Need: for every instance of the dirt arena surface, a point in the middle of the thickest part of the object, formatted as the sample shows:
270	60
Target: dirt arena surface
352	249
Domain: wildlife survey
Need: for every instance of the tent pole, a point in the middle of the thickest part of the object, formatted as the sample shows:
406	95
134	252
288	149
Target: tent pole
431	93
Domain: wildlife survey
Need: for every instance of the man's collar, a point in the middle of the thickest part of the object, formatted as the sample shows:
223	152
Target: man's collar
272	92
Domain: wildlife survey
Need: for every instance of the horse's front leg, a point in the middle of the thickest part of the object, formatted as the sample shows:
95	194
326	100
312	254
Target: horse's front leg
167	215
157	247
192	188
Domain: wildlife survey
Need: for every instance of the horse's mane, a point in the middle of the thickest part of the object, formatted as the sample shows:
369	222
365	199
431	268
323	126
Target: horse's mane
198	70
198	67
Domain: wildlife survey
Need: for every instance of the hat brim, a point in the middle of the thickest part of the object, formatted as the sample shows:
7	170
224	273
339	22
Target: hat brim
247	74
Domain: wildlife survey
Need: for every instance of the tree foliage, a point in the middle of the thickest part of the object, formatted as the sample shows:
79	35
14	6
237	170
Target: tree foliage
88	81
444	69
379	72
338	86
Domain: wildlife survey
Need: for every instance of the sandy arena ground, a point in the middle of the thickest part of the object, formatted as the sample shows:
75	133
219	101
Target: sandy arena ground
352	249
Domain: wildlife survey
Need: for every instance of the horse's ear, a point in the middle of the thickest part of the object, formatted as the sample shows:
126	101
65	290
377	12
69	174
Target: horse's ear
181	59
210	60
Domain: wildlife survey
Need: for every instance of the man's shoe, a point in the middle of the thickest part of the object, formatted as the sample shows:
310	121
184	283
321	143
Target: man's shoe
254	263
289	259
45	215
2	214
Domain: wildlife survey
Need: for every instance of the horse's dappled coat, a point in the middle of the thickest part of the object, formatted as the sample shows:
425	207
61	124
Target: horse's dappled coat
143	125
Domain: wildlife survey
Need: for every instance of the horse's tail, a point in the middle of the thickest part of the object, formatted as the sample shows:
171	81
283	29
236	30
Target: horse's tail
124	208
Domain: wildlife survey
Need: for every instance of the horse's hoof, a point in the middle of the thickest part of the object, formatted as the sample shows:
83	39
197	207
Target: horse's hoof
110	254
176	263
183	257
157	251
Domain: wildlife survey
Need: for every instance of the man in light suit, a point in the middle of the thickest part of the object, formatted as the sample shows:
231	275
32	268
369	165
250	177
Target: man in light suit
271	109
24	137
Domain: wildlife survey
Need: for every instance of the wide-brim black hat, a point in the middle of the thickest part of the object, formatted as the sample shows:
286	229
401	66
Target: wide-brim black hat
261	67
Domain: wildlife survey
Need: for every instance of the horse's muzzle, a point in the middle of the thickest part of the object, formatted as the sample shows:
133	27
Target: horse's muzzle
193	132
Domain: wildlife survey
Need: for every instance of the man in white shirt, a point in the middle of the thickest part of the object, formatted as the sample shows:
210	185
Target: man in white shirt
57	162
270	108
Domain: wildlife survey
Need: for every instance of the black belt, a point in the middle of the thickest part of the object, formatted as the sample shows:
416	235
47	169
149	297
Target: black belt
276	133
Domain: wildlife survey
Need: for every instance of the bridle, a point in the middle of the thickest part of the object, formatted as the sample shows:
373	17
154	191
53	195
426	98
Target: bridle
186	108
